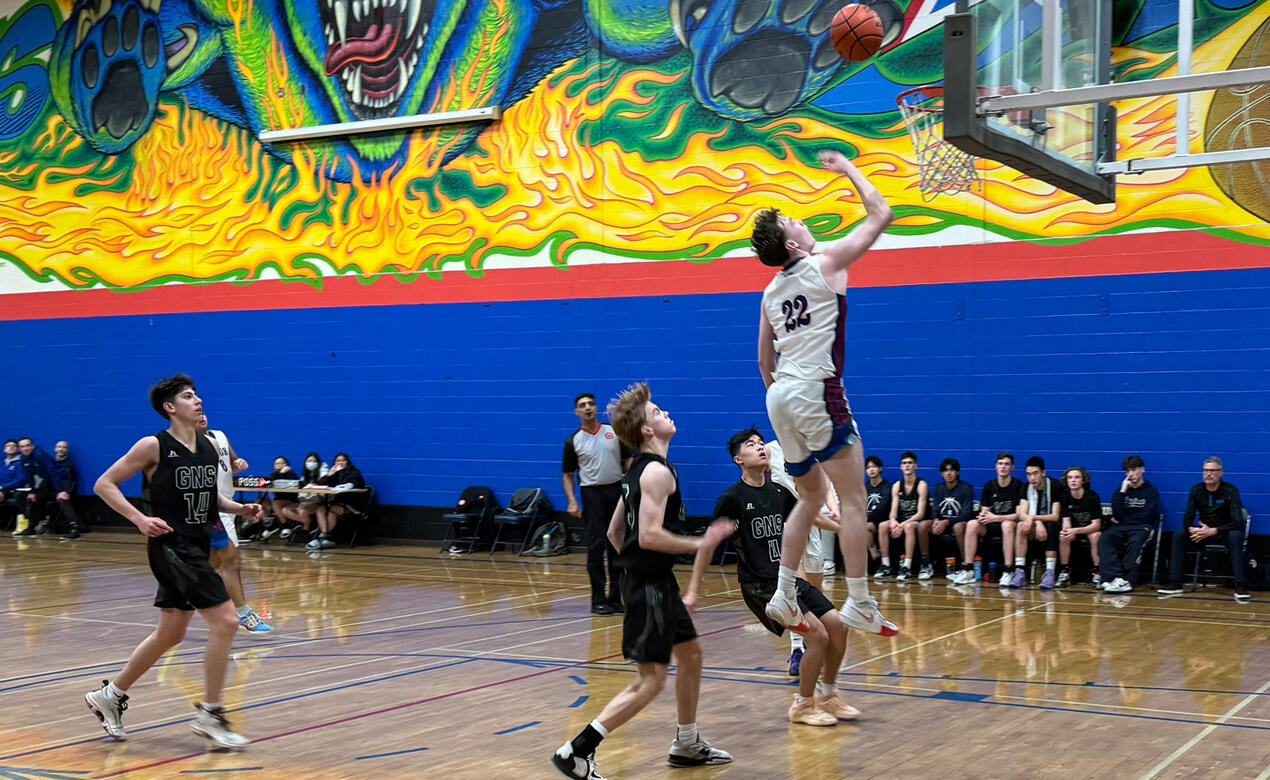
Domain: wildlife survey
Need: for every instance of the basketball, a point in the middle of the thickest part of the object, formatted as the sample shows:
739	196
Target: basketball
856	32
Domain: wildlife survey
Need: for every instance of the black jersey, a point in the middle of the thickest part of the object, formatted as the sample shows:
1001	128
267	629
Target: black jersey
760	513
908	501
879	506
1083	510
635	559
183	486
1003	500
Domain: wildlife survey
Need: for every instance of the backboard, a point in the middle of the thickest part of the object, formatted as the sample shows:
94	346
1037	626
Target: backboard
1016	47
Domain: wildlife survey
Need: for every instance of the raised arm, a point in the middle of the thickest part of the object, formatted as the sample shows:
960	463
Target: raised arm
839	255
143	457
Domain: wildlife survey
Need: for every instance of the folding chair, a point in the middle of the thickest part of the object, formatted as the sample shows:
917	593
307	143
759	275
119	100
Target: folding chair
528	507
1219	547
357	512
469	522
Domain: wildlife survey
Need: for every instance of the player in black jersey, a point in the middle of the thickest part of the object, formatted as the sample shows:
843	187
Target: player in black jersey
647	529
180	465
1081	514
757	509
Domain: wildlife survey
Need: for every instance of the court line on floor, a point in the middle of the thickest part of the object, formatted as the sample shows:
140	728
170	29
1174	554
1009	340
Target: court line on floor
1195	740
372	713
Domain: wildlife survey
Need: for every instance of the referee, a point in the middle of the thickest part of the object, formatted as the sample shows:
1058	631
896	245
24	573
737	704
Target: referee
594	453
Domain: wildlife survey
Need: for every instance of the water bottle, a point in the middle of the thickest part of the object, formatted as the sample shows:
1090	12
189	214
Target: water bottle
546	542
978	568
950	565
992	573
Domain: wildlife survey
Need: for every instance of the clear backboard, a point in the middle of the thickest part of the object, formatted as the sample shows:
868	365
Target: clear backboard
999	48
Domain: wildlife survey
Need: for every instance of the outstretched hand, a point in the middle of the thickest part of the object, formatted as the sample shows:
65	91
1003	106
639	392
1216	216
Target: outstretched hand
835	161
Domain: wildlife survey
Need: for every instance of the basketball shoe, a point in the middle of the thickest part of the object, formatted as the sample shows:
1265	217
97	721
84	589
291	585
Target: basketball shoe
582	768
865	616
211	723
109	710
696	753
785	611
807	713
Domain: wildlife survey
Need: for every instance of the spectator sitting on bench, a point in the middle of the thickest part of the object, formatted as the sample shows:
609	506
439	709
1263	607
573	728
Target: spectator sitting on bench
343	474
1081	511
305	507
13	481
1135	507
1220	516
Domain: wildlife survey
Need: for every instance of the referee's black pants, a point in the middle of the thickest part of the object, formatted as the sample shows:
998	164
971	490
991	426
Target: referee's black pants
598	504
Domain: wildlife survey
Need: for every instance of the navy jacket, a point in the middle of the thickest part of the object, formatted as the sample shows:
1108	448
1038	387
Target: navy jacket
1139	506
40	465
12	475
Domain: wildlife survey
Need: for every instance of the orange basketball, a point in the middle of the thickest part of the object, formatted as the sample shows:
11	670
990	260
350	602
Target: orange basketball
856	32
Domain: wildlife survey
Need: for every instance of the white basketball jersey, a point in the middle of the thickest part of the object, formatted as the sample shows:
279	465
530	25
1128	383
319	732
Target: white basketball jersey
809	320
224	469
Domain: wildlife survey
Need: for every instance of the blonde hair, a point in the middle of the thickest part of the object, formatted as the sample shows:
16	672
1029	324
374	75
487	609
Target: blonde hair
628	413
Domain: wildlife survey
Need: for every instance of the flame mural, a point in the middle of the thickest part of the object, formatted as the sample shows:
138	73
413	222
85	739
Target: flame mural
610	148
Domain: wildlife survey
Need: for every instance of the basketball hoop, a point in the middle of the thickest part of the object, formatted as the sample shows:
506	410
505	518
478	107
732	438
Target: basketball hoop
942	166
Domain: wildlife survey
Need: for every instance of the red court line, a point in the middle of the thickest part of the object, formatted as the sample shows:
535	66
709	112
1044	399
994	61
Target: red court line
393	708
1160	252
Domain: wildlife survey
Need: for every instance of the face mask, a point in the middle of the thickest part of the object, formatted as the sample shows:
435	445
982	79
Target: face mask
311	465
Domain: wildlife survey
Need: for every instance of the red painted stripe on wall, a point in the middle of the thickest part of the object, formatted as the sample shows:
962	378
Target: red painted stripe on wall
1162	252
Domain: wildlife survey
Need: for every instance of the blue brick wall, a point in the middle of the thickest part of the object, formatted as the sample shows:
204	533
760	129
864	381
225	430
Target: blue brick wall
428	399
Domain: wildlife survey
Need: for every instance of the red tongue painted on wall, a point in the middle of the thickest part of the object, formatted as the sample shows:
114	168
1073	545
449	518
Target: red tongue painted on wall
375	47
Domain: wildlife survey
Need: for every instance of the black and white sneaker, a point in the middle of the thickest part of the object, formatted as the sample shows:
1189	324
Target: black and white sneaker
575	766
696	753
108	710
1169	589
1241	593
211	723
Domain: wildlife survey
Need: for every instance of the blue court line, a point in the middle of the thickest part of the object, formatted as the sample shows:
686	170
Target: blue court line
517	728
22	772
1089	684
577	679
394	753
213	771
960	696
578	702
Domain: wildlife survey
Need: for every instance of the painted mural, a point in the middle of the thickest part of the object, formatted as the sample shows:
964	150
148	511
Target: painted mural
632	130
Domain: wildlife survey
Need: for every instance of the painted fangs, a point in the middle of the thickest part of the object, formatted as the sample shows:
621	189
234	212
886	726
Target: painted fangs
412	16
341	20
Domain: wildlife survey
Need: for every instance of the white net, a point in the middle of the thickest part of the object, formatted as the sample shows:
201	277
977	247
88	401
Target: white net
942	166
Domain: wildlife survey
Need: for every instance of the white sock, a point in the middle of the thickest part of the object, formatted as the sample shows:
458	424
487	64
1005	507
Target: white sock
1050	563
244	610
785	581
1020	562
595	724
687	733
826	689
799	698
210	706
886	560
857	588
114	690
795	641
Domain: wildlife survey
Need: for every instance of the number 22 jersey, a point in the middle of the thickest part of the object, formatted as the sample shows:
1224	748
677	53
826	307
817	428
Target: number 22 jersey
809	321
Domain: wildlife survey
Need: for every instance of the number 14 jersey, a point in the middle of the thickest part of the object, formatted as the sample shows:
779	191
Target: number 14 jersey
760	513
809	321
183	486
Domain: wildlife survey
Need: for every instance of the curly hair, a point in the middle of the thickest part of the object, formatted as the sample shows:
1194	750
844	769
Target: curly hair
166	390
769	237
628	413
1084	475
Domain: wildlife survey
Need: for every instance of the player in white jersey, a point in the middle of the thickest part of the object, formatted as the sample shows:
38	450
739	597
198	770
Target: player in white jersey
803	321
224	542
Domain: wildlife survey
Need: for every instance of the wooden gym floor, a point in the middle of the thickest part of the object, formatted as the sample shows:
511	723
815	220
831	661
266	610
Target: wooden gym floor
400	662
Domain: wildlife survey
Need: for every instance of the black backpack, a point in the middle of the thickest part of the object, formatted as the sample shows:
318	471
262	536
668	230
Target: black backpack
550	538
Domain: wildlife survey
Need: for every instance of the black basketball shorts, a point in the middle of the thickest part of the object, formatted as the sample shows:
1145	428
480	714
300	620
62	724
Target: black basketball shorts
186	578
757	594
656	619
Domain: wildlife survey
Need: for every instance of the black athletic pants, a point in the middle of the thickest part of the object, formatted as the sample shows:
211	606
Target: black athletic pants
1119	548
1232	536
598	503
